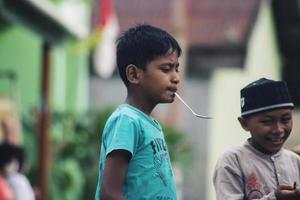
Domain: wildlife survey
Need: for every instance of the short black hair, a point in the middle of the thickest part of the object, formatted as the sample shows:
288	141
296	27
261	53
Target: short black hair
141	44
8	152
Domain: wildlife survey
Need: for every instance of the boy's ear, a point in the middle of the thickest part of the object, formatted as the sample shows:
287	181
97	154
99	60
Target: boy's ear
133	74
244	123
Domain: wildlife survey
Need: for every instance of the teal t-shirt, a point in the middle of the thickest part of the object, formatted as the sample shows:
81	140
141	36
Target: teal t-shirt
149	174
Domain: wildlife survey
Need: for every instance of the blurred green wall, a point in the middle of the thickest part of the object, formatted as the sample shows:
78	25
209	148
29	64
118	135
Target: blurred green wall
20	52
70	73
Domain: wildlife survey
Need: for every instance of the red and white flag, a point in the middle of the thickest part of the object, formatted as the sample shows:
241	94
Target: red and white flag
104	57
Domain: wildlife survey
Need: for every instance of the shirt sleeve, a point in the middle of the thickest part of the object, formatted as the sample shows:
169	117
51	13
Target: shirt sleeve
228	181
122	135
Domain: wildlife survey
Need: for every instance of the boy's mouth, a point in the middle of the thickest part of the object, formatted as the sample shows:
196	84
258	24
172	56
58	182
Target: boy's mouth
172	89
276	138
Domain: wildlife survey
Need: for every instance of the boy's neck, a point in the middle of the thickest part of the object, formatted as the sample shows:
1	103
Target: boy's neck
140	103
261	149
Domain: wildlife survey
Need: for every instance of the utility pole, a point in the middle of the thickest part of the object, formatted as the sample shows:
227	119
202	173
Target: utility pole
178	24
44	142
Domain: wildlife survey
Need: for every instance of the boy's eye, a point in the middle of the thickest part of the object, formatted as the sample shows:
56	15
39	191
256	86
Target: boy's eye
267	121
286	120
166	69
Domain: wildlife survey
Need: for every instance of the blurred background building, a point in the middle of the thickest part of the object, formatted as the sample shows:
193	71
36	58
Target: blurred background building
48	71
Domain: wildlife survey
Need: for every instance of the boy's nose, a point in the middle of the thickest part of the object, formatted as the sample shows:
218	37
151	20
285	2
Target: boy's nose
175	77
278	128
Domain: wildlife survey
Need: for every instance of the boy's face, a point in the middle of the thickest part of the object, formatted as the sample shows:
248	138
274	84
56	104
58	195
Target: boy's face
160	79
269	130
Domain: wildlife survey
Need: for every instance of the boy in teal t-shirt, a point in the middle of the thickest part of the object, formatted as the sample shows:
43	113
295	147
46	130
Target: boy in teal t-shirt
134	160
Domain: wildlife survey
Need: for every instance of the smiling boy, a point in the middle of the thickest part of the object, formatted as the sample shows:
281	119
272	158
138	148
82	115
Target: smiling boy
134	161
261	169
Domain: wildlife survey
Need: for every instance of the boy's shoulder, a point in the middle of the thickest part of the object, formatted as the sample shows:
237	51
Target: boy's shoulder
232	153
290	154
244	151
124	109
235	150
127	111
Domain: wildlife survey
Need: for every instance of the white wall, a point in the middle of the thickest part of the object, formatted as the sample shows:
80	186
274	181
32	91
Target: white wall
262	60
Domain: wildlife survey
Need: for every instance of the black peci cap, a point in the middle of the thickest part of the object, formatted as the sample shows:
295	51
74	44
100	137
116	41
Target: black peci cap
263	95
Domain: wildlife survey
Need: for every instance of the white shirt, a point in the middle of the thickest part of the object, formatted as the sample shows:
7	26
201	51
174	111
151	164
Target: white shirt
244	173
21	186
